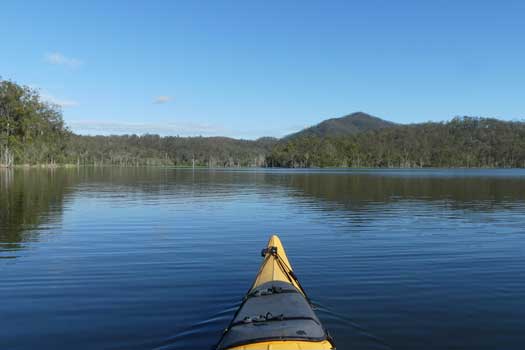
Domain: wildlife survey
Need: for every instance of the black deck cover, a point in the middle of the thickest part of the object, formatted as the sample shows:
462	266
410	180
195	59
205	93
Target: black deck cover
274	311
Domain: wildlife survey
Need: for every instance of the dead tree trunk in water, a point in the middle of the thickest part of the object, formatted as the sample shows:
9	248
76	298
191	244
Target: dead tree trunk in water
7	158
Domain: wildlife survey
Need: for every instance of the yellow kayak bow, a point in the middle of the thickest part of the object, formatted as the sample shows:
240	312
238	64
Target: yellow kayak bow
276	312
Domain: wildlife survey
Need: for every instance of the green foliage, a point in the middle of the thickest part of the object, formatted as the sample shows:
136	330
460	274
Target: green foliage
31	130
133	150
462	142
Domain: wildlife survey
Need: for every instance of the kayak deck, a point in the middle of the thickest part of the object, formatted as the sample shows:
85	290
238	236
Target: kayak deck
271	270
275	313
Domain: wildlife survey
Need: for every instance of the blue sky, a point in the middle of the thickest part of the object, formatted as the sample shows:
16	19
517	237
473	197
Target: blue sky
249	69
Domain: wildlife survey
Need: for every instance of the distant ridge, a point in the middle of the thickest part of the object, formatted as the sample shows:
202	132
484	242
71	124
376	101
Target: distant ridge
348	125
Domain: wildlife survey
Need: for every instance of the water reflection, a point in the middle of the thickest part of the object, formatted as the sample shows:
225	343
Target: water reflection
30	198
476	190
33	197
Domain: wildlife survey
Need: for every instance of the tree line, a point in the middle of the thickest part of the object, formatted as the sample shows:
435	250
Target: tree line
154	150
461	142
32	131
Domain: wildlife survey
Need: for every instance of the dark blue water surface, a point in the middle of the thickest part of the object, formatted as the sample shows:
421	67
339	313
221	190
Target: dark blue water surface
109	258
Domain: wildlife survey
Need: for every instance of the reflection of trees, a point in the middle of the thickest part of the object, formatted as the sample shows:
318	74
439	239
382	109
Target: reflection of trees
6	178
29	198
357	191
32	197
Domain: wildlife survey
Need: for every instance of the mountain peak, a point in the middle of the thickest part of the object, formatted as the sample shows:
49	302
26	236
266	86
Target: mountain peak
347	125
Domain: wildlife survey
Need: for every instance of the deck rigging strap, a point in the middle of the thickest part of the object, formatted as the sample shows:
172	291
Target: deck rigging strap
270	318
287	270
270	291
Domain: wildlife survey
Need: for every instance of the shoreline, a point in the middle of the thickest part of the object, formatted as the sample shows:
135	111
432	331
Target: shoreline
70	166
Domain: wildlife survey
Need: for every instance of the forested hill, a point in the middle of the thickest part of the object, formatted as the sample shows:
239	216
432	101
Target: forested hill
461	142
33	132
348	125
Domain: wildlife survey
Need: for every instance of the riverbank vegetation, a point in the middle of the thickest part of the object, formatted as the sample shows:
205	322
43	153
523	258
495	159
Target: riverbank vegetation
32	132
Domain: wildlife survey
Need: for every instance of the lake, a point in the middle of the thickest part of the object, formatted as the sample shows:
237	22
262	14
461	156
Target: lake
155	258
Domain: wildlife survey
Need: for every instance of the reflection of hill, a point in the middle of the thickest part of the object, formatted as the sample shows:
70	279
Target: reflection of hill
481	191
29	198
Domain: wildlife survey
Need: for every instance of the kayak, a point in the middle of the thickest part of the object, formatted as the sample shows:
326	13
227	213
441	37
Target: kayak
276	313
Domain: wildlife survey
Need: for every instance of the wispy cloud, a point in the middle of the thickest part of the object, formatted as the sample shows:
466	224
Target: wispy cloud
99	127
58	58
64	103
162	99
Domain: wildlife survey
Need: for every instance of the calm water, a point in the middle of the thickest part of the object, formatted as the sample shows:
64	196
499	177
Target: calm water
160	258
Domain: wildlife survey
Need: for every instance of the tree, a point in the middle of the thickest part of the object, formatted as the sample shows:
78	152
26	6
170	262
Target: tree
31	130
